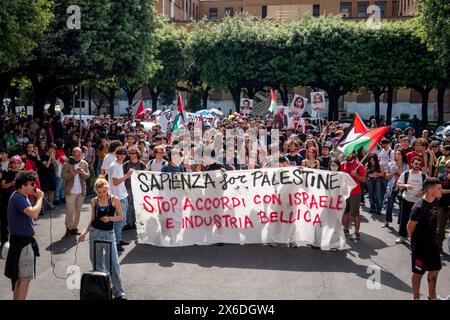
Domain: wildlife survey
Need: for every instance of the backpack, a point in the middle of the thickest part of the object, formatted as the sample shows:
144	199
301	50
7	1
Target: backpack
164	163
424	176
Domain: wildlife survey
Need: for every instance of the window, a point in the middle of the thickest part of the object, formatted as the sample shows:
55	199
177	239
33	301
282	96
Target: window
382	6
229	12
213	14
316	10
264	12
172	9
346	9
362	9
395	8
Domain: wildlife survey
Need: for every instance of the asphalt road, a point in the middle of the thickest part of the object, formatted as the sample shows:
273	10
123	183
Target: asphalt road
235	271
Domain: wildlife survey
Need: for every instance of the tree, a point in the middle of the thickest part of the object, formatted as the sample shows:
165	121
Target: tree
386	69
170	60
20	21
232	55
433	26
115	40
421	71
335	55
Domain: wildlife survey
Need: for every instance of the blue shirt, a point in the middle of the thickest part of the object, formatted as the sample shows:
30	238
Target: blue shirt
19	223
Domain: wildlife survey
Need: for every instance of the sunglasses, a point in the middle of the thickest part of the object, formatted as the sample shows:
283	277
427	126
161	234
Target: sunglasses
333	166
130	153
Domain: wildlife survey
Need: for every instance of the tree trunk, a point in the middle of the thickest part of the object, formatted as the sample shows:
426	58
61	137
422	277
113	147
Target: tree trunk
90	99
284	95
390	98
205	96
440	104
236	93
131	92
51	109
251	91
376	95
111	98
424	93
155	95
333	105
41	91
4	85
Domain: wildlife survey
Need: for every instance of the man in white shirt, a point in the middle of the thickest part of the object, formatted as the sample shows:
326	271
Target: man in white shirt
75	172
119	190
110	158
386	155
412	183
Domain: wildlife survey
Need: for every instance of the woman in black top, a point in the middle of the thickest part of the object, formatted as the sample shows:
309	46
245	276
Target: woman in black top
47	174
106	210
7	187
375	173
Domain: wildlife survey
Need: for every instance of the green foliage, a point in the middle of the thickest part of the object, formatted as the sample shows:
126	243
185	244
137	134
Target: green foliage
20	22
170	60
433	25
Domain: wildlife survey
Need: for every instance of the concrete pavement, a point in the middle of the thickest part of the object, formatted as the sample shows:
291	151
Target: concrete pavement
234	271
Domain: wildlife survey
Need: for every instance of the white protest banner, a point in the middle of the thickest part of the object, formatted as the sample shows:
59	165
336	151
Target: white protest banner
279	205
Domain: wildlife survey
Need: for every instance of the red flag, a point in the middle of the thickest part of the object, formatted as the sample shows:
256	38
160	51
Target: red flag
140	110
180	103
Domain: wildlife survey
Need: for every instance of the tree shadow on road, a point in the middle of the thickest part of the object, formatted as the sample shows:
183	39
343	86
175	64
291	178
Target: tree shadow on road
302	259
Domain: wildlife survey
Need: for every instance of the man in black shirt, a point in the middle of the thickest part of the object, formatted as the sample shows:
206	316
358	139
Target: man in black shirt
444	204
324	159
422	233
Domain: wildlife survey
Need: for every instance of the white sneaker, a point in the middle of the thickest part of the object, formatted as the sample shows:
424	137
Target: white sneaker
400	240
437	298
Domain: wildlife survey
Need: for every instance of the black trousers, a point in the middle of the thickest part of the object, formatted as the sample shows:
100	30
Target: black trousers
405	212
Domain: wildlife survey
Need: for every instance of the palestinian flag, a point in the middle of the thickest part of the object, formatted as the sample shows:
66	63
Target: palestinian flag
180	110
273	101
358	128
368	141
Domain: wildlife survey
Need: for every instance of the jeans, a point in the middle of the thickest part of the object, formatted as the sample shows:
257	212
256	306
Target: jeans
59	193
405	212
118	225
103	257
374	186
390	205
384	185
131	215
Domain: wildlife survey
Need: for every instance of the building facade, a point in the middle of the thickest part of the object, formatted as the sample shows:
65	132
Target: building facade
295	9
179	10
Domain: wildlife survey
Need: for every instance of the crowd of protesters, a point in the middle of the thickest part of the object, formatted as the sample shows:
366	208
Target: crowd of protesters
68	156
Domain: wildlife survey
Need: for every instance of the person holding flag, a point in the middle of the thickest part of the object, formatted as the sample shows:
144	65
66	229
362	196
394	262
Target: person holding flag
179	115
366	141
352	205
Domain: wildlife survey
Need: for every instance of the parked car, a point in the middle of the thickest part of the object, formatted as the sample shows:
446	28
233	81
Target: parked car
441	131
403	124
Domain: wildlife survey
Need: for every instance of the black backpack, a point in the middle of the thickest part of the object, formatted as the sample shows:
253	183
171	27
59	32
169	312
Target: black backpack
424	176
